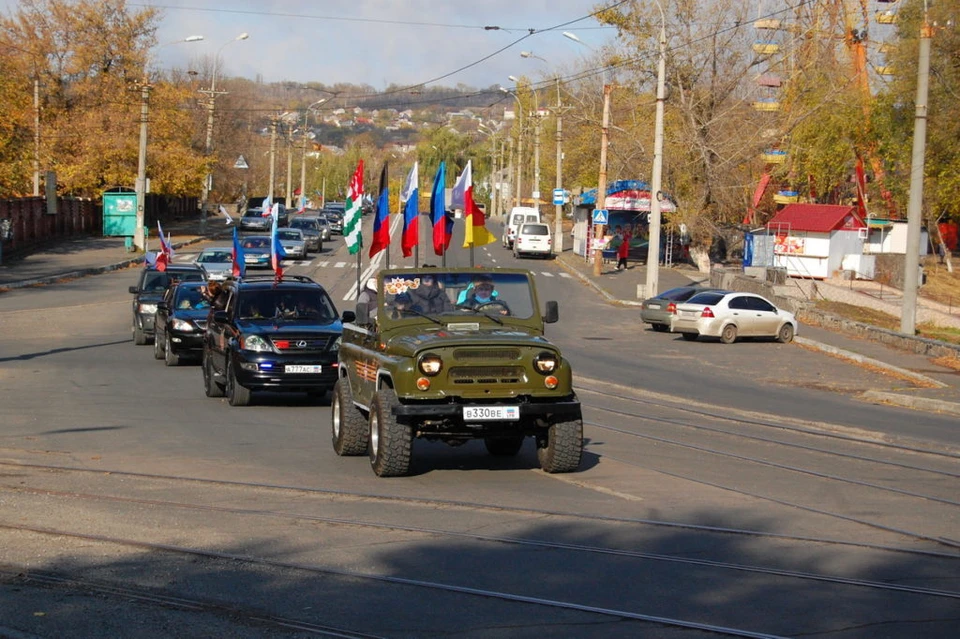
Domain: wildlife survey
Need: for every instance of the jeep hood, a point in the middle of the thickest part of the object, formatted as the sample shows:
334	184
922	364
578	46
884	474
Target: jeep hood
409	343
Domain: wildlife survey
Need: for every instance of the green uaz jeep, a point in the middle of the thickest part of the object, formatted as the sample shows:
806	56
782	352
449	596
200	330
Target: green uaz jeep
453	355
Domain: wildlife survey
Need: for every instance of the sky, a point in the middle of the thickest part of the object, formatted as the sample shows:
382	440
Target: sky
381	42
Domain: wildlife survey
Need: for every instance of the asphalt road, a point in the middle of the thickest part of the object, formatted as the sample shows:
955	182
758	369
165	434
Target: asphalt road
739	491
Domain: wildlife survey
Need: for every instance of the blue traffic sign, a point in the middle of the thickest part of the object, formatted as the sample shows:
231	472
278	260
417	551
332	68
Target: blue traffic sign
600	216
558	197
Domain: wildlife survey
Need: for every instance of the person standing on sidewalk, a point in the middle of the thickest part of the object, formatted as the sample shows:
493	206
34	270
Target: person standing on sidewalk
623	249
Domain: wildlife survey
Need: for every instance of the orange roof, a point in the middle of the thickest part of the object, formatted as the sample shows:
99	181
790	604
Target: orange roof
817	218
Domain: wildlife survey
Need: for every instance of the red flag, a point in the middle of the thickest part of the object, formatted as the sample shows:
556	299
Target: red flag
475	232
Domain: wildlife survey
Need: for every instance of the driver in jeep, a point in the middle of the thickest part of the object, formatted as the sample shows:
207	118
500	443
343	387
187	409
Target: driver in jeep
483	295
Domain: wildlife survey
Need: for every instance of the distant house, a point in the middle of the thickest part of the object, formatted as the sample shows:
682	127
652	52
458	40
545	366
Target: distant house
810	240
890	236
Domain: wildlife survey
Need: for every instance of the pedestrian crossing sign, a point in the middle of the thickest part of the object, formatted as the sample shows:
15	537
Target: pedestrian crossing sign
600	216
241	163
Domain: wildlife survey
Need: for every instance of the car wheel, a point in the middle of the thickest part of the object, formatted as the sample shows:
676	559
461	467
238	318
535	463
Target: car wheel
157	349
350	431
503	446
170	358
729	334
660	328
390	441
237	394
690	337
210	385
139	337
560	449
785	335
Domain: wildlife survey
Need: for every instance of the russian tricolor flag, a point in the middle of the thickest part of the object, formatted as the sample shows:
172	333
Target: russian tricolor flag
411	211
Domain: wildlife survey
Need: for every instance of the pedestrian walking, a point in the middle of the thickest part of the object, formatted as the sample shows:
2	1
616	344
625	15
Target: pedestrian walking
623	250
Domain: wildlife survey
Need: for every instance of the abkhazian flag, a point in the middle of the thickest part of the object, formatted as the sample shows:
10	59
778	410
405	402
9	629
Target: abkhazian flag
267	206
239	262
411	211
442	223
381	219
276	252
166	250
475	231
224	213
352	211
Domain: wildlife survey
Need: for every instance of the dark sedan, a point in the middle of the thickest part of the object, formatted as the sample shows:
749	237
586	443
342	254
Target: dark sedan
657	311
180	321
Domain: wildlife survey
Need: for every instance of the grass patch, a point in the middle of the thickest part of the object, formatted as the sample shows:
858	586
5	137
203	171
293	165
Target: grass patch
884	320
942	285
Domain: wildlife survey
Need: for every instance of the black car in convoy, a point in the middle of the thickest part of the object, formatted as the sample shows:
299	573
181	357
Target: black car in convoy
148	292
272	337
180	321
334	220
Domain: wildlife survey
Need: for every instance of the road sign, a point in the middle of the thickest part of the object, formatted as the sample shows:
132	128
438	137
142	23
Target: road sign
558	197
600	216
241	163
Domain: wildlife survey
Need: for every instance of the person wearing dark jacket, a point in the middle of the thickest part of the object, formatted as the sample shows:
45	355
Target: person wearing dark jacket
429	298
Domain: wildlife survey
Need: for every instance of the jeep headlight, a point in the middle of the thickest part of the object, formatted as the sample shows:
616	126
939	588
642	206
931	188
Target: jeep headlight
430	364
182	325
256	344
546	363
148	309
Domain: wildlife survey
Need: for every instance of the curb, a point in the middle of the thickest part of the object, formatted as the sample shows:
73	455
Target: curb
860	359
922	403
586	280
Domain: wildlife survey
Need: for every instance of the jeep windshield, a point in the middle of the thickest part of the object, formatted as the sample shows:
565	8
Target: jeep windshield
291	305
434	292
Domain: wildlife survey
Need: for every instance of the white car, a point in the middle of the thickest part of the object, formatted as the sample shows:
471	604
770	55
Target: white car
729	316
293	243
217	262
533	239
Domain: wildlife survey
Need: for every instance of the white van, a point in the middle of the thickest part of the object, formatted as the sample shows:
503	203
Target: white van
518	215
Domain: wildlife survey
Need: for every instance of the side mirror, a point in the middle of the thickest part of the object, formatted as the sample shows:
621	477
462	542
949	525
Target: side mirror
162	306
362	315
220	316
134	289
553	313
348	316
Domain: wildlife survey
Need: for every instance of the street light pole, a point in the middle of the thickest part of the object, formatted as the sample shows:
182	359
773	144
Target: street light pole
519	142
208	182
558	209
535	192
140	186
653	242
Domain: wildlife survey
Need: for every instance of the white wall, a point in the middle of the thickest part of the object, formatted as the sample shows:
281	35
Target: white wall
893	239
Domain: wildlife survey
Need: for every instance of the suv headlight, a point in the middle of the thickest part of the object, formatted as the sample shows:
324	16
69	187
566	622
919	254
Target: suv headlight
256	344
182	325
148	309
430	364
546	363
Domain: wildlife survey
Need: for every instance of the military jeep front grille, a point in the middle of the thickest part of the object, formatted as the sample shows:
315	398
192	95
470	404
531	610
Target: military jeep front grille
487	375
486	355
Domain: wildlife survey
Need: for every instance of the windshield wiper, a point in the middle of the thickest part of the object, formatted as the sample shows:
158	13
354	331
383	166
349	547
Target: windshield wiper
424	315
479	312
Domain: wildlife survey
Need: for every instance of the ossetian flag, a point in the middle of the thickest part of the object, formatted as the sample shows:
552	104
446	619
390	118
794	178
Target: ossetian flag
381	220
475	232
442	223
353	211
411	211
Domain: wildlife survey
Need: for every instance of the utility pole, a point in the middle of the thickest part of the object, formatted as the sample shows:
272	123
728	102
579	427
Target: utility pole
510	174
601	202
653	243
303	165
273	156
558	209
287	199
536	157
36	134
139	240
911	274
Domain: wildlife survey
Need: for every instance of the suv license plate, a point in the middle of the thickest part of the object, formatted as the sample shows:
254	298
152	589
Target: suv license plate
491	413
302	368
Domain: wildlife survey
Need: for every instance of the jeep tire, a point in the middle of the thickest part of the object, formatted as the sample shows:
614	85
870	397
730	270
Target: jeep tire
390	441
157	349
350	431
560	448
503	446
210	386
237	394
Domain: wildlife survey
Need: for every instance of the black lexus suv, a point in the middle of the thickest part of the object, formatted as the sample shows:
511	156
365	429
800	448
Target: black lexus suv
271	337
151	285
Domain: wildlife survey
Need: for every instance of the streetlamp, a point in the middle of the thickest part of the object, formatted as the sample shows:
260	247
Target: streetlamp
140	187
307	134
653	243
530	54
208	182
519	141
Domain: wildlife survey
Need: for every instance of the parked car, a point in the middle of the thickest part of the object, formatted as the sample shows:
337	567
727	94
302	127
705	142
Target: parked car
313	231
518	215
216	262
411	367
294	246
180	321
730	316
533	239
151	285
256	251
272	336
657	311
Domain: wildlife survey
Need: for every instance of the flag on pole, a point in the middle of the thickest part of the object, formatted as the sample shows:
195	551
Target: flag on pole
475	231
267	206
302	207
239	262
442	223
411	211
166	250
224	213
276	253
381	220
352	212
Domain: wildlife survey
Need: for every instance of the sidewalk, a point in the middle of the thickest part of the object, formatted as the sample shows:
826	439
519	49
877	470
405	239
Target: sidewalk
927	385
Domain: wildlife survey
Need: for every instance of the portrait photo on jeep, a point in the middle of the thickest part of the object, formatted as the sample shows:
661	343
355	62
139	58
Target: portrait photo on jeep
453	355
